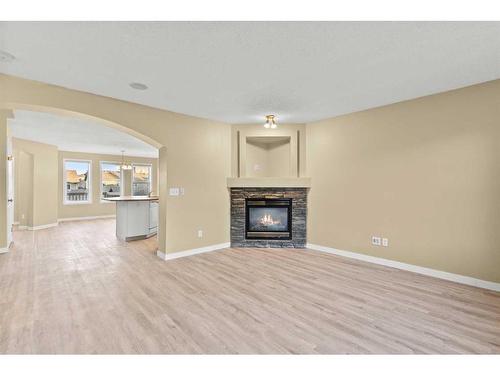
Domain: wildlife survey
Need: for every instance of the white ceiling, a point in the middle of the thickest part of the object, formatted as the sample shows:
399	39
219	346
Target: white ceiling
78	135
240	71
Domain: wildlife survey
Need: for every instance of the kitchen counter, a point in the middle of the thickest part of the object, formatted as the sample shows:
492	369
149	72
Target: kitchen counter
132	198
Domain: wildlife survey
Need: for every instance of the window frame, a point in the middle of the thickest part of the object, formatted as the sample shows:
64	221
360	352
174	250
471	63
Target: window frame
150	165
101	162
90	180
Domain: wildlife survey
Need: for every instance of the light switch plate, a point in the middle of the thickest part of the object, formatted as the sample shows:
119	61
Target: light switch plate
173	191
376	241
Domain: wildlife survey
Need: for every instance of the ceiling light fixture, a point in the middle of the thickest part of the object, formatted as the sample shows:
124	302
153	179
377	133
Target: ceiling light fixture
125	166
6	57
138	86
270	122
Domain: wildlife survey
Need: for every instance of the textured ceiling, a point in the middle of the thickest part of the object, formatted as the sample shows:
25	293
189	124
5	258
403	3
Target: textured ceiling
238	72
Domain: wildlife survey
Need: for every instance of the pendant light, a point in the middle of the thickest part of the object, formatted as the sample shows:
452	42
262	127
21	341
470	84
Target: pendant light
125	166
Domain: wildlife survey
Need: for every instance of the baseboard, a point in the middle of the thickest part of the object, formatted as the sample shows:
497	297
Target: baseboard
45	226
467	280
4	250
15	223
160	254
186	253
22	227
77	218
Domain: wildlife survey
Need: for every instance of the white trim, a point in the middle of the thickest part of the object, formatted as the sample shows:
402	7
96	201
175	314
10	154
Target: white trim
150	165
45	226
410	267
77	218
4	250
101	162
22	227
186	253
89	182
161	254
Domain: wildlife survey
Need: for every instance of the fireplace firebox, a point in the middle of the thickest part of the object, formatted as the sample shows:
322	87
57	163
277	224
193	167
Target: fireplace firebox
268	219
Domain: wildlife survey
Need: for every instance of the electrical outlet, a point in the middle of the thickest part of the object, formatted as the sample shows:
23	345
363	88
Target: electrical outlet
376	241
385	242
200	233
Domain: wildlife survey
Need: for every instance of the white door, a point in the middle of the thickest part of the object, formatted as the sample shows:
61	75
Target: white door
10	191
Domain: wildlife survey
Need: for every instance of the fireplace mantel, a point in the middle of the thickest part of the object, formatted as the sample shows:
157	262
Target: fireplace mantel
269	182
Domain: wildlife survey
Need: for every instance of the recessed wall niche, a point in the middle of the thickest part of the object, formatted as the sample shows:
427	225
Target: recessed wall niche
265	154
268	156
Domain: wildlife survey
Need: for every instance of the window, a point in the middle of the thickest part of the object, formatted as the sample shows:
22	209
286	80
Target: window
141	179
77	181
110	179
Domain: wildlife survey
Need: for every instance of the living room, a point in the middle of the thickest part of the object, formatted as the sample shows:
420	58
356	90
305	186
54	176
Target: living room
339	197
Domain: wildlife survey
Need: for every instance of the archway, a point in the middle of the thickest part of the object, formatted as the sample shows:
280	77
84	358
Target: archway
64	112
8	111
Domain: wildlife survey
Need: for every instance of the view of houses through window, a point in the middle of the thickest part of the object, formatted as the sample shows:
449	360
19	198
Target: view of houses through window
110	180
77	181
141	179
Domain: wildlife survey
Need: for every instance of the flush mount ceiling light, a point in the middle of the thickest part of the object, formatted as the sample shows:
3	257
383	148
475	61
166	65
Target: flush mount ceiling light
6	57
138	86
270	122
125	166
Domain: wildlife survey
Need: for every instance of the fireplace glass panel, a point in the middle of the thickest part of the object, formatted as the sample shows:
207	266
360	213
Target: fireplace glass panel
268	219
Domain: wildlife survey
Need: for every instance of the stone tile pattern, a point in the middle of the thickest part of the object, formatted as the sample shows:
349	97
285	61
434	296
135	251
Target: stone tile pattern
299	216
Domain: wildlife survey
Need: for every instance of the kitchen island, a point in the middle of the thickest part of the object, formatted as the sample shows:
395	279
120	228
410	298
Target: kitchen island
136	217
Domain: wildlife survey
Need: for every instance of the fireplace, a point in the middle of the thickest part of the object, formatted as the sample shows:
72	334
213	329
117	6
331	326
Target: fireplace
268	219
279	217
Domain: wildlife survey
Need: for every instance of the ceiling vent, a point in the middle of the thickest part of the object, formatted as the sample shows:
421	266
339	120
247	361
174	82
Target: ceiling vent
138	86
6	57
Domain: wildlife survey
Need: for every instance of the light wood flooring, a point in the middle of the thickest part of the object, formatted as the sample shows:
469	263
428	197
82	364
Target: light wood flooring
77	289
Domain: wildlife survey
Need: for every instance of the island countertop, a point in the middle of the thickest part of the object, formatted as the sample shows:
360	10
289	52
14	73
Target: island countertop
132	198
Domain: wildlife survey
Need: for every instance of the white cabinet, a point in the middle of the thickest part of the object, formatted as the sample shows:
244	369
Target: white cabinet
153	217
136	219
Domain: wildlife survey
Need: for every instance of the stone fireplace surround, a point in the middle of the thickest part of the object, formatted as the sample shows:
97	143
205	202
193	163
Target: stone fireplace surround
299	216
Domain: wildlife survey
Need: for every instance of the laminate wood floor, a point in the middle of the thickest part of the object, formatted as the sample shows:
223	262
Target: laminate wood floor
77	289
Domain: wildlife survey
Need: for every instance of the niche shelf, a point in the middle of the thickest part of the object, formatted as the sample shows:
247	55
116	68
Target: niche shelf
268	156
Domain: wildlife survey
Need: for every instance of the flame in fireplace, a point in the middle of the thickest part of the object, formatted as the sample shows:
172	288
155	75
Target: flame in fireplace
267	219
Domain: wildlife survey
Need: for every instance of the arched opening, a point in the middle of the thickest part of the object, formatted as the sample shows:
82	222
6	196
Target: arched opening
74	200
68	113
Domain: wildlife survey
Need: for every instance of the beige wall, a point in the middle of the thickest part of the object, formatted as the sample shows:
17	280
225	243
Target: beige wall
199	161
423	173
23	188
197	153
39	200
4	116
36	183
98	207
270	158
